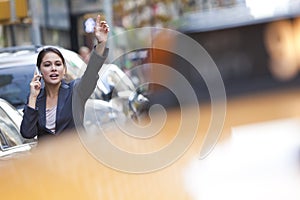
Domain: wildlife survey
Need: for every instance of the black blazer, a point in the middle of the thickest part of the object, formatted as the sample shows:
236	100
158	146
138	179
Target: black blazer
70	106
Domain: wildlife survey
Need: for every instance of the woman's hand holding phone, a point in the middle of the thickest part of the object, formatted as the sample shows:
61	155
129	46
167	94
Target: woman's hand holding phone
35	88
38	73
35	85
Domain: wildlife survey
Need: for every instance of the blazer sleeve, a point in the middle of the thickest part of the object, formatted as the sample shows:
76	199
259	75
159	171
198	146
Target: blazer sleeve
29	127
89	79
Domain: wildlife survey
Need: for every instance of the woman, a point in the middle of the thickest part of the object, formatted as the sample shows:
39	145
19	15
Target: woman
59	106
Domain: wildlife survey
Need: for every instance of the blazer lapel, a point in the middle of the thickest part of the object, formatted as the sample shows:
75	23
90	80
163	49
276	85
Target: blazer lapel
62	100
41	105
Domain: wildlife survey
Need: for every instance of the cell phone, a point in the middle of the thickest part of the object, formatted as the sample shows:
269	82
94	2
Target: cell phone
38	72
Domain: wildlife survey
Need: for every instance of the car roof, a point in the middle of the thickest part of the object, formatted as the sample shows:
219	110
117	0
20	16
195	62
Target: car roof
13	58
27	55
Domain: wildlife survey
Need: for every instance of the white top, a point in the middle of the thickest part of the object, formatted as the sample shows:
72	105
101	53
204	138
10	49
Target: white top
51	118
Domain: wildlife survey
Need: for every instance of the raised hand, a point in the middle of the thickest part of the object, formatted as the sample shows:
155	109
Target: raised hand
101	30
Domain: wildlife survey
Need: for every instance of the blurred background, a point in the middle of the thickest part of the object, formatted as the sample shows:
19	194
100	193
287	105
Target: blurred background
255	44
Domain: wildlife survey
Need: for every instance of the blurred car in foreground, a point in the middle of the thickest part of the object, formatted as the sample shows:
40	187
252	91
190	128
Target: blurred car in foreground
11	141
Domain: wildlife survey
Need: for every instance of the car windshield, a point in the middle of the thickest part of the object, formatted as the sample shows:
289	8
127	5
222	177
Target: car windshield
14	84
9	134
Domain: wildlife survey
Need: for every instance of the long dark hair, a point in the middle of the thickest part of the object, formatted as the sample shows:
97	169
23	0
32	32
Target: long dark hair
46	50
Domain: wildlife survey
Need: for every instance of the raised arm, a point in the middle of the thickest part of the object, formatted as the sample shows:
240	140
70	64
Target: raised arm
101	30
29	128
90	77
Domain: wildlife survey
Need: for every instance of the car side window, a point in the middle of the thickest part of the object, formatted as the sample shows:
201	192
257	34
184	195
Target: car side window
14	84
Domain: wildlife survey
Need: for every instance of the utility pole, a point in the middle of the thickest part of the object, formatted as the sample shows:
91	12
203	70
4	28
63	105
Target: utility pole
11	26
108	11
35	29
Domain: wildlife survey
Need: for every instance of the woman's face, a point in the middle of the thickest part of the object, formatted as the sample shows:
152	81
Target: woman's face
52	68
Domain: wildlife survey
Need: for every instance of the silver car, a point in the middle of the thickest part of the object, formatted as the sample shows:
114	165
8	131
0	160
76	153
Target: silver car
11	141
